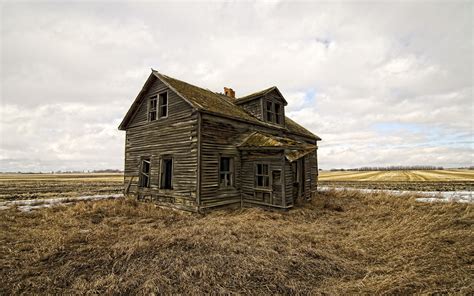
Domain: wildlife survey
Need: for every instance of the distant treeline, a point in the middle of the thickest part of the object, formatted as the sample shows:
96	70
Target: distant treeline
393	168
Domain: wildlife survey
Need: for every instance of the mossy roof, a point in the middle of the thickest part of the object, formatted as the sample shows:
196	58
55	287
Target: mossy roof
209	101
293	149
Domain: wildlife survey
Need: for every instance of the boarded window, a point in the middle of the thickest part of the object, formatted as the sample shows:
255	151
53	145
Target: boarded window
262	179
167	173
163	104
226	172
152	108
263	196
276	177
145	173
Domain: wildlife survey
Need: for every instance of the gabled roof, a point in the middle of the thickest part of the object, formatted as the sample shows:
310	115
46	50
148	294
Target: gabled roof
259	94
208	101
293	149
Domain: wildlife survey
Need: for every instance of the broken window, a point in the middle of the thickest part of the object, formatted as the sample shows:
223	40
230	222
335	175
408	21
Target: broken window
262	179
167	173
145	173
152	109
163	104
226	169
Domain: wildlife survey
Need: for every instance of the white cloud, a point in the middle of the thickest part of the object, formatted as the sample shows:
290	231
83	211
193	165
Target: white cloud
69	71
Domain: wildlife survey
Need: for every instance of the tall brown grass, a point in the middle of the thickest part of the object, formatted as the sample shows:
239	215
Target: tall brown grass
340	243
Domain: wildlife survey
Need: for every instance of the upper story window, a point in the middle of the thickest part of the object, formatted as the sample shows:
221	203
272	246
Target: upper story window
164	104
273	112
152	108
158	107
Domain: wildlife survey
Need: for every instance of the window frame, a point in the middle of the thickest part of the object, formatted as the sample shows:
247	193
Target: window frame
162	171
230	173
264	176
277	115
271	114
141	175
151	109
160	105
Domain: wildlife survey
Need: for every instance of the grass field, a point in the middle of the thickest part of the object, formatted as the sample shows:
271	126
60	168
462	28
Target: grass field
435	180
340	243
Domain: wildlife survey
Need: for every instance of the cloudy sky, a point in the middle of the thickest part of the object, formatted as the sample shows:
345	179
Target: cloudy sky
381	84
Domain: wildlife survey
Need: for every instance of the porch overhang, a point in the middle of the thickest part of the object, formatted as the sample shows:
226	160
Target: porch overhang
292	149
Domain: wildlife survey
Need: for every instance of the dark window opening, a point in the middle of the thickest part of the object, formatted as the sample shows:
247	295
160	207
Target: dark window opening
164	104
152	109
226	172
270	111
262	179
167	173
145	173
273	112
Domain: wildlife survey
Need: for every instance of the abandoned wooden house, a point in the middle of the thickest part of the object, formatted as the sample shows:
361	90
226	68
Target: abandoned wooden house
195	149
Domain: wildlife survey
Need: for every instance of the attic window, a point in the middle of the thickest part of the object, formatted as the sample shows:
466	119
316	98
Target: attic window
163	104
273	112
152	109
277	113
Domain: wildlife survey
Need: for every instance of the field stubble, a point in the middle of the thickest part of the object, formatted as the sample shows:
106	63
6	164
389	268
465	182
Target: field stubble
340	243
415	180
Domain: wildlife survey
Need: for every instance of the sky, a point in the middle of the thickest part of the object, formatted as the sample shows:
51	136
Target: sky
382	83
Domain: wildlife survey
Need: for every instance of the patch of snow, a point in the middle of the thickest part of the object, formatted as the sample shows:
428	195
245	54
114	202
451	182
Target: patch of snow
432	196
27	205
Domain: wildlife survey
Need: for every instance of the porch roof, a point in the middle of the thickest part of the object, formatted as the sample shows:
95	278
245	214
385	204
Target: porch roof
293	149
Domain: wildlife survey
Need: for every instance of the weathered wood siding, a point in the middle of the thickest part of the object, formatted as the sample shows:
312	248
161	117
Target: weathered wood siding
174	136
254	107
219	138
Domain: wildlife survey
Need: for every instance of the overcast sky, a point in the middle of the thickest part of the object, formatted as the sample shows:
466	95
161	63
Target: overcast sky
381	84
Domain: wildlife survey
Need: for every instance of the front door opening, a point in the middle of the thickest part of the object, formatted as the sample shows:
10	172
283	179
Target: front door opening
167	173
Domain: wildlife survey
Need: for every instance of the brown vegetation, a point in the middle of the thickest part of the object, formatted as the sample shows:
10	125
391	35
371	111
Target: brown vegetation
340	243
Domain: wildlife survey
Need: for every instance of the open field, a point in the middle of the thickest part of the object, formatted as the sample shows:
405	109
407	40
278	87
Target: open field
436	180
31	186
340	243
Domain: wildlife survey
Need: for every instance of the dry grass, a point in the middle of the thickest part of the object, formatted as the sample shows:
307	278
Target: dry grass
341	243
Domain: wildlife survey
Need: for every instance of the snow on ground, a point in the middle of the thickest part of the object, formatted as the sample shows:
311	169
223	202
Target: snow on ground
431	196
27	205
